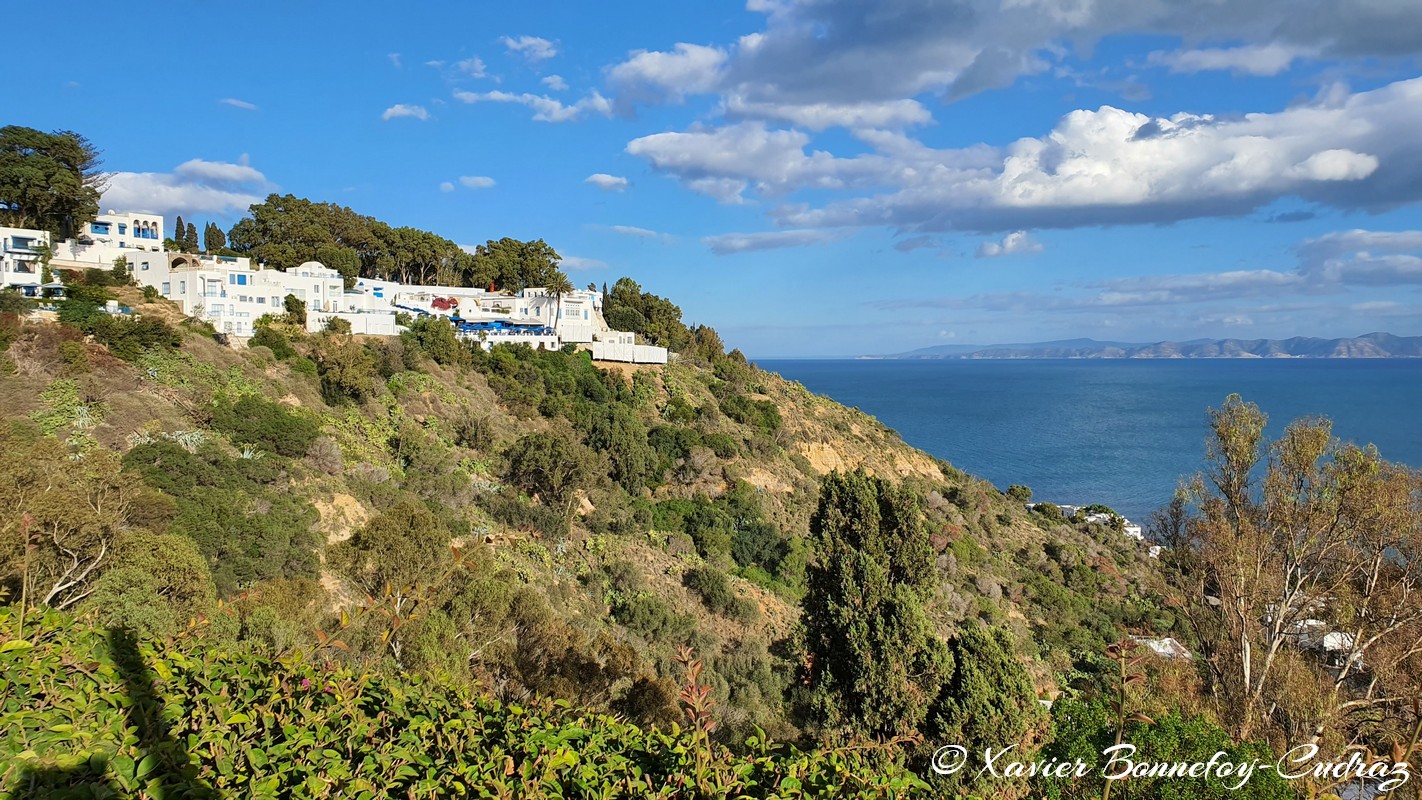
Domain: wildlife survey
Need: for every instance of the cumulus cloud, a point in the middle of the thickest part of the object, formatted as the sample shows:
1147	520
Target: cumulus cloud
608	183
235	103
476	182
1096	167
446	186
545	109
402	110
532	48
687	69
195	186
729	243
555	82
1013	243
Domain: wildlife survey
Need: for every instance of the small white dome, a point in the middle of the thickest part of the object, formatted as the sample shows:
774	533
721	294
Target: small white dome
312	265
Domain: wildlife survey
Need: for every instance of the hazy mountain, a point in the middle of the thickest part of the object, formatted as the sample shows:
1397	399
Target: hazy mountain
1372	345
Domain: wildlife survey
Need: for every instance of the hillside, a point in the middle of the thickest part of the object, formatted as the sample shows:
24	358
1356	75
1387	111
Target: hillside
1371	345
528	524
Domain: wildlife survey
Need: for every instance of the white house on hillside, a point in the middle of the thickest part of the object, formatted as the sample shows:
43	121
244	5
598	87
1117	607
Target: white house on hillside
19	263
109	237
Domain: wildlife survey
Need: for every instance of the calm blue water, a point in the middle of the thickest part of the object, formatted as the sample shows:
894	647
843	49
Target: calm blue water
1120	432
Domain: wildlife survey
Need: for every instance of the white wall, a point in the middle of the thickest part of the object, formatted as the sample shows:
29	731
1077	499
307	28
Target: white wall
19	264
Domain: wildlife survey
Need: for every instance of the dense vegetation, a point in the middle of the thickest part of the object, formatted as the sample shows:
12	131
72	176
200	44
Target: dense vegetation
49	181
187	720
464	535
285	231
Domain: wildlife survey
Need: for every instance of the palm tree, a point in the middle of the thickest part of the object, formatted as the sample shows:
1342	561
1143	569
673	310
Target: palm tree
558	286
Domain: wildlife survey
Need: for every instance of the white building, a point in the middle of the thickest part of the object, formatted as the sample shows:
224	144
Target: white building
110	237
19	263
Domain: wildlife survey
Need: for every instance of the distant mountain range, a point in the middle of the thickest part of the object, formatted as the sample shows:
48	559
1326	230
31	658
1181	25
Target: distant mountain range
1372	345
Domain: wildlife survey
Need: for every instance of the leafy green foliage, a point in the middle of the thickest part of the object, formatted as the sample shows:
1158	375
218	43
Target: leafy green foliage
286	231
295	309
267	424
48	180
1084	729
873	661
550	464
239	511
434	336
657	319
269	337
715	591
761	414
348	370
399	548
190	720
987	700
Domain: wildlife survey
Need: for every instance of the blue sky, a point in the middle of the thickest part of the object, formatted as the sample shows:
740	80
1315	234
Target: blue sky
810	177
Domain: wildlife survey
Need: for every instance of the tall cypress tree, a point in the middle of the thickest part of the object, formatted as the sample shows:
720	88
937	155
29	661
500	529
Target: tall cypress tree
874	663
179	232
213	238
190	239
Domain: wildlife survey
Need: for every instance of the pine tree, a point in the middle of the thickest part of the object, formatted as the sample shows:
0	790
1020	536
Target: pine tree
874	663
190	239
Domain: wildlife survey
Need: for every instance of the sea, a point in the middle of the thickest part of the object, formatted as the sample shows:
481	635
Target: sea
1122	432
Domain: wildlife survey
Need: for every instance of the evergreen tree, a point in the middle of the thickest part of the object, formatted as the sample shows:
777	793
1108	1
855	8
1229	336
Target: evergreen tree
179	232
190	239
213	238
989	700
874	663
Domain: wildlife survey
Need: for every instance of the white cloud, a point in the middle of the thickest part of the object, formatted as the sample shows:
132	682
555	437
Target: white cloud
1014	243
195	186
1362	257
476	182
578	264
689	69
446	186
402	110
724	162
608	183
473	67
555	82
545	109
1256	59
220	172
730	243
394	60
532	48
819	116
235	103
633	231
1096	167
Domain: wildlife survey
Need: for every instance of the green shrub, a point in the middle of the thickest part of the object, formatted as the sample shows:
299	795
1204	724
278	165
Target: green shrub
126	716
715	592
763	415
267	424
273	340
